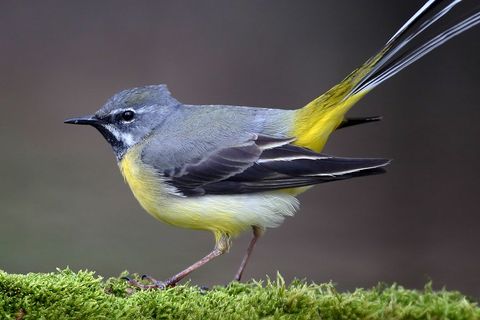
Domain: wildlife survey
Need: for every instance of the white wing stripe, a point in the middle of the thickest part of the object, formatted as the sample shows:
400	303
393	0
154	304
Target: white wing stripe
292	158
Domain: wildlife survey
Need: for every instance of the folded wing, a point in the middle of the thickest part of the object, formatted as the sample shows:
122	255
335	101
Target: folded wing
264	164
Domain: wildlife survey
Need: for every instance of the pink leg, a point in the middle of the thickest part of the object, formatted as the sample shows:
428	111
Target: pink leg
182	274
257	233
222	245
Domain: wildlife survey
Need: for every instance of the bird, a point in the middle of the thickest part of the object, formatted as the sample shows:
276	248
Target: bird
228	169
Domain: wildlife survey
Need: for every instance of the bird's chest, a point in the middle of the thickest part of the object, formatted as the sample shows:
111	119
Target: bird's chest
154	194
144	182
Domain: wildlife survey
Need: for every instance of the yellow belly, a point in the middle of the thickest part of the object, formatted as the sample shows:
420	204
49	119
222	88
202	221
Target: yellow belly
230	214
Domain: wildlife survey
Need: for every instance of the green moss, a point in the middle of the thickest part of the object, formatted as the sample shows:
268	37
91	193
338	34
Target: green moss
82	295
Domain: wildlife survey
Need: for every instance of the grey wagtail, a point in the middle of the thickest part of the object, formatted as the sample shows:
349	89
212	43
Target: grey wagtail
226	169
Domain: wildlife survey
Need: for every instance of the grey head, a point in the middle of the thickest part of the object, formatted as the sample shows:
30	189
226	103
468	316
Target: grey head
130	116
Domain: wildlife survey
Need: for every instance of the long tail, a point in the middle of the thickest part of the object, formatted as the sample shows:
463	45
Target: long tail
316	121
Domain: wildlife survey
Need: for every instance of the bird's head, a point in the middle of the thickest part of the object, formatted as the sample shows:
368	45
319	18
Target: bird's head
130	116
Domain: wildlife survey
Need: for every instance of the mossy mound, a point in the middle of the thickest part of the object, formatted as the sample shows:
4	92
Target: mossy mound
83	295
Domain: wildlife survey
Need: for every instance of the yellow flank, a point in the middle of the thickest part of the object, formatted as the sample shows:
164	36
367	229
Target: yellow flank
230	214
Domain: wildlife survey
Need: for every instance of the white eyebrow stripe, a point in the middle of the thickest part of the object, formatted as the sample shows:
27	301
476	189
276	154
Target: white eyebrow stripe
145	109
117	111
141	110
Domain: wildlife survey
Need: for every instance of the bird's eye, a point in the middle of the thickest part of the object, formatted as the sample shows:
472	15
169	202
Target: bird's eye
128	115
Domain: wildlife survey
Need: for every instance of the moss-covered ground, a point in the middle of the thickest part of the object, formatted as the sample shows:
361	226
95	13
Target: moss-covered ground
83	295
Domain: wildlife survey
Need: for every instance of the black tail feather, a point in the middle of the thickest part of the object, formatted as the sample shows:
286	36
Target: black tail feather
349	122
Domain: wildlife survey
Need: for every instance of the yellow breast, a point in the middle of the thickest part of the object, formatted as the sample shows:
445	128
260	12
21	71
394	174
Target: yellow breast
230	214
142	179
162	202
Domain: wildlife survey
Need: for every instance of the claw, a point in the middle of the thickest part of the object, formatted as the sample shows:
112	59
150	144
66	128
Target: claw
149	278
204	289
155	284
133	282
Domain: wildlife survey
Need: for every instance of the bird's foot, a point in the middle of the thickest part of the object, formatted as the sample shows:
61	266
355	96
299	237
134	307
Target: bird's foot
159	284
152	283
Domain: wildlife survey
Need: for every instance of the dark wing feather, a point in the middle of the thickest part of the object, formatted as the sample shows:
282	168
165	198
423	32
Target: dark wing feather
216	166
264	164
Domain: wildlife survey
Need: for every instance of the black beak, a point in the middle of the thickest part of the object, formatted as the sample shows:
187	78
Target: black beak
91	120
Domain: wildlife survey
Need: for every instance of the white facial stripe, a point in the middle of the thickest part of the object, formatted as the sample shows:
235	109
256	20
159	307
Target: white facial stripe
126	138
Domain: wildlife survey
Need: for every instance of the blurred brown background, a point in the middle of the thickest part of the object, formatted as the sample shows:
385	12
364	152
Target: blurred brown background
63	201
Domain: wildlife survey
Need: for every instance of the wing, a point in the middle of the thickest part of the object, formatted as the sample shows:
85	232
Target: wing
261	164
